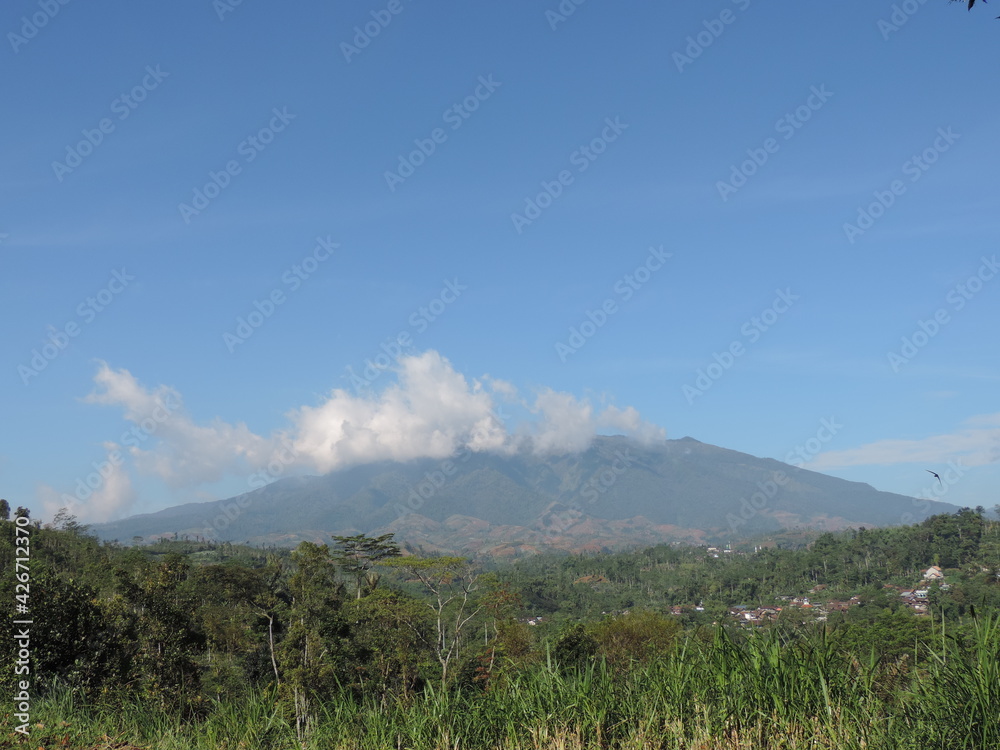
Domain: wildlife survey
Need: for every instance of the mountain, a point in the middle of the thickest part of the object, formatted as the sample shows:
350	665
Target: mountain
617	493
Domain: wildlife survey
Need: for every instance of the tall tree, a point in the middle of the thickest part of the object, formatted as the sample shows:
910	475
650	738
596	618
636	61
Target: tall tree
314	635
238	609
451	583
390	636
66	521
357	555
157	617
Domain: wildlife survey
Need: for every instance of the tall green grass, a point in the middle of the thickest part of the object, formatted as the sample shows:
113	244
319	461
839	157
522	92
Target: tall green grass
759	690
957	701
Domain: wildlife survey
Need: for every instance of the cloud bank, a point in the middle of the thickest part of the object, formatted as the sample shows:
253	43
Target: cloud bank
431	411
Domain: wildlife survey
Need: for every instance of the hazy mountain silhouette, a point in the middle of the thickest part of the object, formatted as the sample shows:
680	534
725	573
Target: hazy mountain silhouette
617	493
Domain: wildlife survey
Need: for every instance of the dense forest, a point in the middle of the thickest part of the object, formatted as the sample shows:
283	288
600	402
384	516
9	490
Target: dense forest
882	637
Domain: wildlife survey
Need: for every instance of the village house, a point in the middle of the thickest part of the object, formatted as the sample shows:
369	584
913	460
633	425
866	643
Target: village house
747	616
933	573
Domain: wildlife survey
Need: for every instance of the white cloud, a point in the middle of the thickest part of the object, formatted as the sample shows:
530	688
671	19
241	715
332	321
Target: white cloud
103	495
976	444
505	390
431	411
566	426
630	423
183	453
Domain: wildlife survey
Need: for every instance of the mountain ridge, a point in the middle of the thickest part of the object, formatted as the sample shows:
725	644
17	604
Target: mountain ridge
615	494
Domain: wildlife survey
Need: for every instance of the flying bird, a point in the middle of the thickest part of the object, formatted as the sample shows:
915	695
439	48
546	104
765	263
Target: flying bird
937	476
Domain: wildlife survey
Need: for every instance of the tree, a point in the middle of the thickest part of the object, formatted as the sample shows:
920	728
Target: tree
268	603
507	643
357	555
450	581
66	521
4	510
636	636
238	608
390	636
157	621
314	634
73	638
574	647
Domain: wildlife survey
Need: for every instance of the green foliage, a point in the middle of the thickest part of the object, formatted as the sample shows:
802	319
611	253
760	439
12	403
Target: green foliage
575	647
73	642
357	555
635	637
189	644
154	618
238	610
66	521
308	653
764	690
451	585
390	639
845	563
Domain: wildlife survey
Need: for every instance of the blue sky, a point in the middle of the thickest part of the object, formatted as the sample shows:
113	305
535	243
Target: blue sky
718	220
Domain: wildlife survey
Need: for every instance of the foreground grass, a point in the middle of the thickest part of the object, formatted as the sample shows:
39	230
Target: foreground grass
763	693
